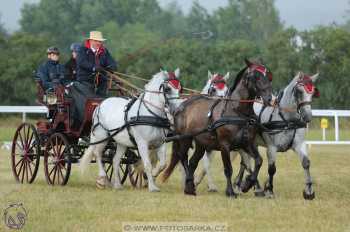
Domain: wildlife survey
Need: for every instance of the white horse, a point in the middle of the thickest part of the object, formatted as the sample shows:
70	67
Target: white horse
216	85
160	97
294	108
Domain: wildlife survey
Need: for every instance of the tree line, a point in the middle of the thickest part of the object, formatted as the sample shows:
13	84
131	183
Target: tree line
144	37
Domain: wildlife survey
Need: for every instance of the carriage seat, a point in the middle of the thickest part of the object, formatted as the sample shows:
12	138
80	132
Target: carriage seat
90	106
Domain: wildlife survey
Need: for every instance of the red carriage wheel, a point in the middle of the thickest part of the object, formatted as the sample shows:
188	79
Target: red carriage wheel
57	159
25	154
137	176
123	171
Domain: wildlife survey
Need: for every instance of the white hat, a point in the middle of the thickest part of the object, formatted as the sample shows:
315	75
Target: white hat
96	35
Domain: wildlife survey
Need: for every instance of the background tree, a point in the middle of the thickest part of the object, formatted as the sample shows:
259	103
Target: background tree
144	37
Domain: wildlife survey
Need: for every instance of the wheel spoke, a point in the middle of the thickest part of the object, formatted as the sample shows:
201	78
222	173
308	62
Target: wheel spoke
52	170
54	175
141	179
19	145
24	166
30	168
137	177
63	166
61	173
26	163
20	137
58	174
60	148
122	168
20	169
108	167
27	136
111	173
20	161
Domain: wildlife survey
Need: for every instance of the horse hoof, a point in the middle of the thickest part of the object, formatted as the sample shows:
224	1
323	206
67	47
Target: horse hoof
190	189
212	188
269	194
259	193
101	182
247	185
191	193
118	186
308	196
231	194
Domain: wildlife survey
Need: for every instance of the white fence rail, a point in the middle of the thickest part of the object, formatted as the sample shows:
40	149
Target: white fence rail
336	114
24	110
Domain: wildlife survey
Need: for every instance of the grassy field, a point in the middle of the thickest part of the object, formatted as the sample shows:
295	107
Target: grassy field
80	206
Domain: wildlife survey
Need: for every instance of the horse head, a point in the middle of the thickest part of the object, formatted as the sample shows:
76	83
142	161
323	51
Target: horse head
216	84
258	80
304	91
166	85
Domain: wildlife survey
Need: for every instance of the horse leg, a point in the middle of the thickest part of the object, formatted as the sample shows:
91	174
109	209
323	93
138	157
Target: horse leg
180	149
207	159
238	180
193	163
101	180
161	154
226	160
271	156
144	153
301	149
183	175
116	162
251	179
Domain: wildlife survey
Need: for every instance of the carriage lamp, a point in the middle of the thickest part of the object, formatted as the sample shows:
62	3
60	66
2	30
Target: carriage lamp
51	99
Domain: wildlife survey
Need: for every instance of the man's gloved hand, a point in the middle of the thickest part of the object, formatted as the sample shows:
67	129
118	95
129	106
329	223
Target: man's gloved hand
55	82
50	90
99	69
69	84
109	69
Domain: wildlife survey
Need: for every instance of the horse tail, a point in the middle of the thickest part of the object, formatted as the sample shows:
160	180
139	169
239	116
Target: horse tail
173	162
86	159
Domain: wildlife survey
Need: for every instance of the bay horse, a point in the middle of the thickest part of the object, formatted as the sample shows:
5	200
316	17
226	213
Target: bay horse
221	124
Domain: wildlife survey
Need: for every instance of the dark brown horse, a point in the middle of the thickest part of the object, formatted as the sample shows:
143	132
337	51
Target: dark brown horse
222	124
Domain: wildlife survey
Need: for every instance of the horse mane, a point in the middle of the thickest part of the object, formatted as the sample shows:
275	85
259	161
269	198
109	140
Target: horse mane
237	80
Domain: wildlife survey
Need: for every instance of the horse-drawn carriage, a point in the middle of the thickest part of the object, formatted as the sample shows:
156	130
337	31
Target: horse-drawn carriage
61	144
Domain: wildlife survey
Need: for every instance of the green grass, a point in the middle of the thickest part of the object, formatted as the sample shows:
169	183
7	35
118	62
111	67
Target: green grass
79	206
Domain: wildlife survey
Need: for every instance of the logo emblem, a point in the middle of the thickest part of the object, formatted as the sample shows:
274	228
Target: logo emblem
15	216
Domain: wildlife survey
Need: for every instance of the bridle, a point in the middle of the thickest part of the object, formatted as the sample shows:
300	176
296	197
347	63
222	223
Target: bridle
218	82
252	77
309	87
164	89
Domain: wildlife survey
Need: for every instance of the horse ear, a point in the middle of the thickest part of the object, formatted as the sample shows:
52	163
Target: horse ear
227	76
209	75
297	77
315	77
177	73
248	62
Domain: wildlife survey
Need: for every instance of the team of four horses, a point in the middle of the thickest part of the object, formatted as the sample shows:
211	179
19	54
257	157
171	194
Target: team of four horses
222	119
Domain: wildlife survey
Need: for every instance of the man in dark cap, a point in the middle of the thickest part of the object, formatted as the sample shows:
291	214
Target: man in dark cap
51	73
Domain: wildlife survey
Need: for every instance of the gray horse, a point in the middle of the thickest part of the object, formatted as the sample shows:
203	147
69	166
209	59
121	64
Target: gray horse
284	128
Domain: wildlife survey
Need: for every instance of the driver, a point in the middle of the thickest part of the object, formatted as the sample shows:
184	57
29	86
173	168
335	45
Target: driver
92	59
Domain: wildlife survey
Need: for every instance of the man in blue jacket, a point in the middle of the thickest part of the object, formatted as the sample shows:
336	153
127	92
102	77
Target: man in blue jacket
93	58
92	61
51	73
